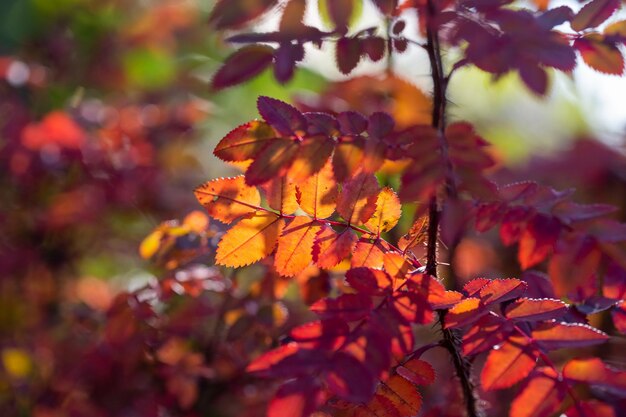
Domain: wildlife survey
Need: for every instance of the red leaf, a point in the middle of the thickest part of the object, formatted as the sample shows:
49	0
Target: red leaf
348	307
330	247
499	290
417	371
340	12
600	54
619	317
508	364
369	281
265	362
594	13
286	119
351	122
386	7
465	312
348	53
273	161
242	65
374	47
234	13
530	309
591	408
401	396
486	333
413	308
244	142
313	154
596	373
535	78
321	334
552	336
349	379
540	397
296	398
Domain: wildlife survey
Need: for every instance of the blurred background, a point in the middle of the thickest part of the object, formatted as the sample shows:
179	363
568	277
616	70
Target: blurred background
107	123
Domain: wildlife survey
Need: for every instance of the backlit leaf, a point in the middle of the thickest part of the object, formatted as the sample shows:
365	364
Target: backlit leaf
313	153
249	240
297	398
402	395
283	117
589	408
348	307
234	13
486	333
369	281
227	199
272	161
368	253
464	312
244	142
594	13
552	336
347	158
597	374
538	240
499	290
541	396
317	195
281	195
295	246
357	201
330	247
600	54
417	371
529	309
387	213
508	364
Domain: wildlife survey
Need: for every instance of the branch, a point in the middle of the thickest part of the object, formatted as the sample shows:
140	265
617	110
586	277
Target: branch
451	341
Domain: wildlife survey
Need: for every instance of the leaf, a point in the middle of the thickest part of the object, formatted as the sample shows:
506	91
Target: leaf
417	371
263	364
619	317
368	253
330	247
396	265
234	13
339	11
464	312
357	201
245	63
348	53
596	373
292	19
317	195
417	234
401	394
328	334
508	364
227	199
541	396
297	398
281	195
535	78
386	7
347	158
500	290
314	152
351	122
590	408
244	142
594	13
295	246
249	240
273	161
529	309
616	31
551	336
283	117
486	333
600	54
369	281
349	379
348	307
412	308
387	213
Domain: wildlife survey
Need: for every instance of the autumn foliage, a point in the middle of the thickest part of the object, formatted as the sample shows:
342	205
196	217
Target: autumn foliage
326	279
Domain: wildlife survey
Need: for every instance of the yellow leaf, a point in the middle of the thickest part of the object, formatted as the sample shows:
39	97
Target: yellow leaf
227	199
249	240
388	212
295	246
318	194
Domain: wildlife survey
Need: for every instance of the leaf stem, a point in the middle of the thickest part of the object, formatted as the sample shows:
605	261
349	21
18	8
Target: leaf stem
451	341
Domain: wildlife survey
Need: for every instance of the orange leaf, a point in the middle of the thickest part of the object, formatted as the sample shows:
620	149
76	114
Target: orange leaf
313	153
589	408
465	312
396	265
597	374
295	246
530	309
227	199
330	247
357	201
368	253
347	158
541	397
244	142
281	195
552	335
508	364
387	213
318	194
500	290
297	398
600	54
418	372
402	395
272	161
249	240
